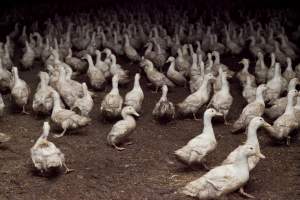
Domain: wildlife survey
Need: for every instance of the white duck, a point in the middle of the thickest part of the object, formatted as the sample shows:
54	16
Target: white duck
252	139
129	51
103	66
42	100
287	122
253	109
198	147
66	119
164	109
5	77
135	97
111	105
289	73
174	75
261	70
45	155
196	100
95	75
249	91
28	56
123	128
244	73
222	98
20	91
84	104
274	85
224	179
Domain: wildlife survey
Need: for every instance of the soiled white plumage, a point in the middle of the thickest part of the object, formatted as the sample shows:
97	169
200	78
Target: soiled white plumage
45	155
174	75
84	104
198	147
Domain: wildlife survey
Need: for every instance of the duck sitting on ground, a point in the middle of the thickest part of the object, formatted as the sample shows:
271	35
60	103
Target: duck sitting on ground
111	106
198	147
224	179
123	128
66	119
45	155
135	97
164	110
252	139
253	109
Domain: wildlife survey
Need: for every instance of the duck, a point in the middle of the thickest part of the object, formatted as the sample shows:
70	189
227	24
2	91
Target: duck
196	100
42	100
103	66
4	138
287	122
5	78
135	97
249	91
289	73
200	146
123	128
274	85
77	64
84	104
278	106
244	73
164	110
129	51
2	106
253	109
181	63
252	139
157	78
271	69
116	69
224	179
217	63
45	155
28	57
95	75
175	76
261	70
64	118
20	91
111	105
297	109
222	99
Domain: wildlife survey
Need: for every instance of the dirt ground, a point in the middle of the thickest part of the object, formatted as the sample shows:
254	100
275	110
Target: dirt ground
147	169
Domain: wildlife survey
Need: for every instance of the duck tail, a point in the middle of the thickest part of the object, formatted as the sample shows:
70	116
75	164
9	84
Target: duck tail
196	188
183	155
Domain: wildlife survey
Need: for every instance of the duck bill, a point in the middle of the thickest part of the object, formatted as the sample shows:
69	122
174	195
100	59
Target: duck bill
136	114
267	125
219	114
260	155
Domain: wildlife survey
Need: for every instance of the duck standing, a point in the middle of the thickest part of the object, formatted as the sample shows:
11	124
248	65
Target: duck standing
111	106
198	147
252	139
253	109
123	128
135	97
20	91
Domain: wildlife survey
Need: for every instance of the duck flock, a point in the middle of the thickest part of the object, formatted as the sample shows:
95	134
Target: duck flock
172	48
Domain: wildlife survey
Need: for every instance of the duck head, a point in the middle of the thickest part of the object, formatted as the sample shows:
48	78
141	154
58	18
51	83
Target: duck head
129	110
250	150
258	122
211	112
170	59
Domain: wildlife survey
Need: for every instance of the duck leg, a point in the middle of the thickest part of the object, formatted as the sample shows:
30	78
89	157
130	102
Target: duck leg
243	193
24	111
61	134
68	170
195	117
118	148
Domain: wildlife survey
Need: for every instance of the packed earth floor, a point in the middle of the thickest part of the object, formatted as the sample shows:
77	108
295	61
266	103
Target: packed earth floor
147	169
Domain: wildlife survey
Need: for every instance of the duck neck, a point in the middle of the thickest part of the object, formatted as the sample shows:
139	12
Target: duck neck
289	107
298	103
252	134
164	95
90	61
246	67
208	129
137	83
56	106
115	88
259	96
225	85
